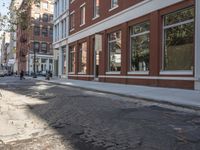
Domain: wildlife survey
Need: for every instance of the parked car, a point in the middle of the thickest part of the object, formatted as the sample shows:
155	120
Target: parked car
41	73
2	73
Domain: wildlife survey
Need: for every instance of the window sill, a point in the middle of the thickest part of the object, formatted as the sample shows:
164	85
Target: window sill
181	72
111	9
96	17
72	1
82	73
113	72
71	73
138	73
82	24
71	30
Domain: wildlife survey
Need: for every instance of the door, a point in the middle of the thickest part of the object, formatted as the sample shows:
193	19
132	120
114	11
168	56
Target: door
96	64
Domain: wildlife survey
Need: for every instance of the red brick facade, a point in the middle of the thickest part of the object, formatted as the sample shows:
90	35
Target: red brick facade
153	78
26	38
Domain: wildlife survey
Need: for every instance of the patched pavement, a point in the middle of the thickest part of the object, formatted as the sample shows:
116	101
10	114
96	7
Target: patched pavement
40	115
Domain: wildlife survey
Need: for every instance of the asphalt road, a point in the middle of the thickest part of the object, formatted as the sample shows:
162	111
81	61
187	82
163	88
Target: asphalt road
44	116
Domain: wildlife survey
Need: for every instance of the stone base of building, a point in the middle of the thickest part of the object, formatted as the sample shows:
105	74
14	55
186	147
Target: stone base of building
197	85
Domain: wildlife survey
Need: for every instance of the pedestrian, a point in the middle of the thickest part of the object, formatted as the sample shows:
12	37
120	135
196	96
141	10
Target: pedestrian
47	75
22	75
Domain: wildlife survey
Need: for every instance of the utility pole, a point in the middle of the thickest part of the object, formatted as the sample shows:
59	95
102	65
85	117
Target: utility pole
34	63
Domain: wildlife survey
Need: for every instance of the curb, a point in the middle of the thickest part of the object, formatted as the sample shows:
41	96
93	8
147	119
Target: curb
196	108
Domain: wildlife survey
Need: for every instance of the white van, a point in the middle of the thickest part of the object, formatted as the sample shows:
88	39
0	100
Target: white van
2	73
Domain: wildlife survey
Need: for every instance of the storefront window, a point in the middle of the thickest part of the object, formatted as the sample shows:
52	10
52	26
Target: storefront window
179	40
140	47
82	57
64	60
72	59
114	45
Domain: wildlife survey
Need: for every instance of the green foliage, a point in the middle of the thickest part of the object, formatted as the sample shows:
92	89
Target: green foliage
9	23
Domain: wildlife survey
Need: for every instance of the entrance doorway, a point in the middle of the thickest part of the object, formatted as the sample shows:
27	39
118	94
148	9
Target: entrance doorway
96	65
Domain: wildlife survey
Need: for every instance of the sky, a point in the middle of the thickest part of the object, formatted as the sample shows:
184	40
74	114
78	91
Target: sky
4	4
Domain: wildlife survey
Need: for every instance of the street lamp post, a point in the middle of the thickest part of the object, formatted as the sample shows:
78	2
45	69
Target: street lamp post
34	63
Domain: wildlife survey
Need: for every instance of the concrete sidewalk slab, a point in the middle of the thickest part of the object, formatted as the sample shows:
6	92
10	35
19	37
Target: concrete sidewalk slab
180	97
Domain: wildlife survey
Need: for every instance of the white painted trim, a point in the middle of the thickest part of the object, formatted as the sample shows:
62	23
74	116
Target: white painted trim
139	34
71	29
113	72
82	24
189	72
81	75
71	73
60	41
72	1
178	24
140	9
83	5
111	9
96	17
72	12
38	55
138	72
149	77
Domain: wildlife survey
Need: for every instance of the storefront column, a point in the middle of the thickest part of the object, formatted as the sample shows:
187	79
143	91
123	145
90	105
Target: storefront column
67	63
197	46
47	64
60	62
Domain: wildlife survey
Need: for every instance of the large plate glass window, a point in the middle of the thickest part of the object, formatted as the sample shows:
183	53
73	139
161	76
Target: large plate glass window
139	35
178	40
72	59
114	45
82	57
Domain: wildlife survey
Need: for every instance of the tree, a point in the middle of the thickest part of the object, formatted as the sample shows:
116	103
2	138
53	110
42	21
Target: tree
8	22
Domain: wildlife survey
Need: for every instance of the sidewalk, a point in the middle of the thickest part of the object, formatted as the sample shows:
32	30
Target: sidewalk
180	97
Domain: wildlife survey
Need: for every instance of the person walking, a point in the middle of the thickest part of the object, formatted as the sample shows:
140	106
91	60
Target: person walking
22	75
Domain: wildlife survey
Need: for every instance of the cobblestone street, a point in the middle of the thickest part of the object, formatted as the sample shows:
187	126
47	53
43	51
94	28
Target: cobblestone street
44	116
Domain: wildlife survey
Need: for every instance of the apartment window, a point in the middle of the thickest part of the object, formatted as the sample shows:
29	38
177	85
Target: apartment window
36	46
55	9
82	57
44	32
45	5
140	37
114	48
36	30
44	47
51	32
96	8
50	17
72	59
45	17
37	17
65	28
82	15
178	40
63	5
43	60
72	21
114	3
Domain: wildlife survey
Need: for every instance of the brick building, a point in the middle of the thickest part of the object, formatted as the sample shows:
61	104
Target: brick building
34	45
141	42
